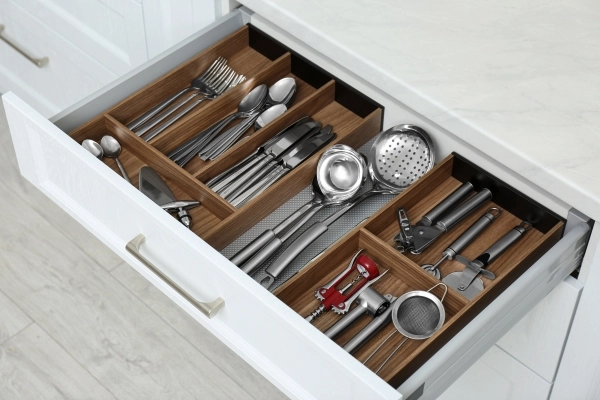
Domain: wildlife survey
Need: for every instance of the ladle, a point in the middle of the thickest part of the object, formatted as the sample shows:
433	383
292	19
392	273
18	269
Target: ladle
399	156
265	245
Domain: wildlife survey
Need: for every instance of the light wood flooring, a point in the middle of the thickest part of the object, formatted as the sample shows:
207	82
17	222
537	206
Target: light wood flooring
78	323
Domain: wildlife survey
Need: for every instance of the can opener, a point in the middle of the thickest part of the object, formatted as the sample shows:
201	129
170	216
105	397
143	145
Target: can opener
439	220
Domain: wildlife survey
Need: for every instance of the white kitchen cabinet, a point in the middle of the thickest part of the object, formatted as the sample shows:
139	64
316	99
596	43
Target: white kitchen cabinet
292	354
87	43
498	376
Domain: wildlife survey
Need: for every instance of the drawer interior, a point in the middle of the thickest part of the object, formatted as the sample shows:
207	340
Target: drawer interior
355	120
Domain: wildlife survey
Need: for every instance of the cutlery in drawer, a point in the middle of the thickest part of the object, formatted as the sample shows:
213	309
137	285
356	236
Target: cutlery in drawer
288	162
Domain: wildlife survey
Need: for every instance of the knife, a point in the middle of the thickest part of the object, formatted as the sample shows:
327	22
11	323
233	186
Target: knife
274	150
288	162
466	282
229	175
153	186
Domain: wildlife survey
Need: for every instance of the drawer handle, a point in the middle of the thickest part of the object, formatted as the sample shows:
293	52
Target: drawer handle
39	62
209	309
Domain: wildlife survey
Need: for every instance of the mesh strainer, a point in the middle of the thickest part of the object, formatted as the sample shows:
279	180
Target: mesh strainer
416	315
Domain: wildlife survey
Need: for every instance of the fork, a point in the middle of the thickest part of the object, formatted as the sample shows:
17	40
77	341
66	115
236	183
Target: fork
210	89
215	68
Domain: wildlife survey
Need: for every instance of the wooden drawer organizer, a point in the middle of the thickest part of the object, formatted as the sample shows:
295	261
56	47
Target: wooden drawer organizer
355	119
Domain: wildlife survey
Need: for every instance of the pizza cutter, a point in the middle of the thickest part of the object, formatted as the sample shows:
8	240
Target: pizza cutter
466	282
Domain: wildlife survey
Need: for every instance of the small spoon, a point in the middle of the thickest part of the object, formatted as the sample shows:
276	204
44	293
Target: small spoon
93	147
269	115
281	92
112	149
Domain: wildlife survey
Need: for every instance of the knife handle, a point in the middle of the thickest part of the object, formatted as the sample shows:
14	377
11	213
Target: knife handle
447	204
247	179
465	209
261	186
503	243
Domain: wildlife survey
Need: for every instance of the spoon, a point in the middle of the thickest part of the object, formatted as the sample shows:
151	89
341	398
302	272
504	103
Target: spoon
281	92
93	147
263	119
112	149
251	102
269	241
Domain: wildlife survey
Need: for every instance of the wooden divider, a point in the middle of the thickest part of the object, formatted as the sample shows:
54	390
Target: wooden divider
355	133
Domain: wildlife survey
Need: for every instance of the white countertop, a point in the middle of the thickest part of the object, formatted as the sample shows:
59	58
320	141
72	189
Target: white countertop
519	80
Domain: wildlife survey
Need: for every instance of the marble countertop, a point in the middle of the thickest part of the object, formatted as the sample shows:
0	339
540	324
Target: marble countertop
519	80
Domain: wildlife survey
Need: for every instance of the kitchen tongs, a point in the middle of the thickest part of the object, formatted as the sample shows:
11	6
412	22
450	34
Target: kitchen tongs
415	238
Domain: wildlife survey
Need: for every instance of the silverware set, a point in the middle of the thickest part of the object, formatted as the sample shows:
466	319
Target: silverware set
217	79
258	108
271	161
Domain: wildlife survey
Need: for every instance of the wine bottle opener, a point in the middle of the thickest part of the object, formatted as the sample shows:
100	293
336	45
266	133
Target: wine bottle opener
466	282
439	220
368	302
340	300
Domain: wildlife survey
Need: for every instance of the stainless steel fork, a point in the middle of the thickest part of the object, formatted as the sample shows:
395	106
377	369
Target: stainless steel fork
215	68
210	90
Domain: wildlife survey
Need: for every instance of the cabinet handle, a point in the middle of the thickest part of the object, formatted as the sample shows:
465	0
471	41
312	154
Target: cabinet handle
39	62
209	309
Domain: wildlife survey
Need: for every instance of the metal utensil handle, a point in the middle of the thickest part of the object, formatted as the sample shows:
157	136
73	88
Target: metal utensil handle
501	245
209	309
301	243
447	204
263	255
213	182
346	321
39	62
189	144
145	117
122	170
248	178
391	355
261	240
235	172
149	125
465	209
219	140
474	230
275	244
229	141
272	178
370	330
173	119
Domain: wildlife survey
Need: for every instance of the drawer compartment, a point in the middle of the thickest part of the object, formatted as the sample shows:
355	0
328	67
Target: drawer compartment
269	331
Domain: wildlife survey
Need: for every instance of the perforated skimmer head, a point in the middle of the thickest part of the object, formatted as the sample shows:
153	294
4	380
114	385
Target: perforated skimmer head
400	156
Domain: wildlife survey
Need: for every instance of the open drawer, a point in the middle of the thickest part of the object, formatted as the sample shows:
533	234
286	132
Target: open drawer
267	330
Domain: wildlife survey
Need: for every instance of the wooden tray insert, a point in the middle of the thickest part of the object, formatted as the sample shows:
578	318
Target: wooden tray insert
376	237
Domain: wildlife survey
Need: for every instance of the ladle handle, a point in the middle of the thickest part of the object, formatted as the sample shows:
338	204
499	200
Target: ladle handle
447	204
465	209
303	241
275	244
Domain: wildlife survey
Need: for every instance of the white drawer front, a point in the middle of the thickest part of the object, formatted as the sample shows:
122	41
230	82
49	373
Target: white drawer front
498	376
69	75
298	358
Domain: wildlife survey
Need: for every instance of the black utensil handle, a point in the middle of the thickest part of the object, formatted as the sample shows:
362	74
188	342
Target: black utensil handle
501	245
447	204
465	209
473	231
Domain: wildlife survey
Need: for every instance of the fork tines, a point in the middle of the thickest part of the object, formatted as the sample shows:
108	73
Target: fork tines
220	77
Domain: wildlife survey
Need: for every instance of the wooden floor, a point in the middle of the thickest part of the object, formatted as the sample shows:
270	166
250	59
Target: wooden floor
76	322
